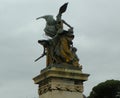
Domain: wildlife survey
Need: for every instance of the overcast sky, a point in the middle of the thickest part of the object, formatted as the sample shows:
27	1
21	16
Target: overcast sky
97	37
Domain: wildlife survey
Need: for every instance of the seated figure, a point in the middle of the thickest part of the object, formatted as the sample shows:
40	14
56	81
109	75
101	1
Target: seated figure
59	49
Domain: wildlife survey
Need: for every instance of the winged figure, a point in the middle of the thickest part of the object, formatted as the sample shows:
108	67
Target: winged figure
53	26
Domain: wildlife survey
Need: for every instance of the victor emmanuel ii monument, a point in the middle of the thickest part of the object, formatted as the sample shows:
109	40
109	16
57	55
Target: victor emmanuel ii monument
62	76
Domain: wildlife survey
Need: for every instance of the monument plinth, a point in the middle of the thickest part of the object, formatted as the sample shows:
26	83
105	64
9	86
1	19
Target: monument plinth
63	76
58	81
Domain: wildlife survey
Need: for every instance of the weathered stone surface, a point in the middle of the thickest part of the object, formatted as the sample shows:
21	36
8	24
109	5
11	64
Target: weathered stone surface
62	94
61	72
58	79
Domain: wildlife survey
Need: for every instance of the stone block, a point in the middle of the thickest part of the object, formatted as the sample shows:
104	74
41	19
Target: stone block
61	81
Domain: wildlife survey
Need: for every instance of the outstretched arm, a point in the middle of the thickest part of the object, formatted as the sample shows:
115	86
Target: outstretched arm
67	24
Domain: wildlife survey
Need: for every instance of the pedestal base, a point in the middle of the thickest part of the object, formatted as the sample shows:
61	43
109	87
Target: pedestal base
59	81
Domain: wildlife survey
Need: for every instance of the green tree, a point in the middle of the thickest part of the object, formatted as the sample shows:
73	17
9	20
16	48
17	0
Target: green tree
107	89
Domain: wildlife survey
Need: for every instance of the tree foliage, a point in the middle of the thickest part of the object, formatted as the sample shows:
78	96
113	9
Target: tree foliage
107	89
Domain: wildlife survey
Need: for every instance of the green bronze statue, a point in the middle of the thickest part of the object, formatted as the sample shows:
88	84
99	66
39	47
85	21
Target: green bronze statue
55	26
59	49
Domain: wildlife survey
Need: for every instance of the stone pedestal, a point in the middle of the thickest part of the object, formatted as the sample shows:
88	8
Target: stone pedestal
61	81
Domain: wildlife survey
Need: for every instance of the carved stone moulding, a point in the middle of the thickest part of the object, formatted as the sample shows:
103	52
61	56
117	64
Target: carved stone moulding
60	87
60	78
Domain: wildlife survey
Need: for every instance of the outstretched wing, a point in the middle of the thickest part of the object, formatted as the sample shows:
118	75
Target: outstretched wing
63	8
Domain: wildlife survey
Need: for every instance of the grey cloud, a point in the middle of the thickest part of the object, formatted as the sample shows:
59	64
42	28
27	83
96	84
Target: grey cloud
96	25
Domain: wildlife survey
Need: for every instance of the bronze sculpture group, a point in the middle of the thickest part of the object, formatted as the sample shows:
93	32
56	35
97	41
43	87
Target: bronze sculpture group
59	49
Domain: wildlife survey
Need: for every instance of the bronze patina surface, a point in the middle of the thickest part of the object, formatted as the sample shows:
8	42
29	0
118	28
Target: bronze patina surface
59	48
